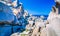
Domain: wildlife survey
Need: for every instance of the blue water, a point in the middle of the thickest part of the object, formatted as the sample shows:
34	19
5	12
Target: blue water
45	16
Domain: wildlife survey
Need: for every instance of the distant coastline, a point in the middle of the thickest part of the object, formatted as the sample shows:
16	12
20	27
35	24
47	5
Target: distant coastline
41	15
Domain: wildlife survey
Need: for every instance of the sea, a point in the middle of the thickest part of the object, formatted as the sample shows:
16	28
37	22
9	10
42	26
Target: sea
45	16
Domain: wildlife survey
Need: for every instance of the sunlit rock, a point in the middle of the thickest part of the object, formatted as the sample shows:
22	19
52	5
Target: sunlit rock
52	29
19	11
20	34
16	34
26	14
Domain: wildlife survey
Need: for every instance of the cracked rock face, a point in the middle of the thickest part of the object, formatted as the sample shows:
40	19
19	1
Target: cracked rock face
5	12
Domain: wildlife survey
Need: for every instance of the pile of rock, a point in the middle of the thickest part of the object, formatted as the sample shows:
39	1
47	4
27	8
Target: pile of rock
12	16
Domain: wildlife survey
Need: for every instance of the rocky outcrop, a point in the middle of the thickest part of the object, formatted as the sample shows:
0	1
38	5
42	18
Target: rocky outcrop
12	18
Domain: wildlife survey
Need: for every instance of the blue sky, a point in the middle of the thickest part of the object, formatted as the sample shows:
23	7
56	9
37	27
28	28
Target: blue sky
38	7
